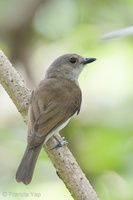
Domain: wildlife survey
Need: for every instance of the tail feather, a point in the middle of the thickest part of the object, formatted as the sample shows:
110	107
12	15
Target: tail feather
26	168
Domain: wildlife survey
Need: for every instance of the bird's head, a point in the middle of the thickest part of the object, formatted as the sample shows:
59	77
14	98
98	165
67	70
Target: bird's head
68	66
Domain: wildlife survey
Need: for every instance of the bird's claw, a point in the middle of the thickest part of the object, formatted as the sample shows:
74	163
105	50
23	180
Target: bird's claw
61	143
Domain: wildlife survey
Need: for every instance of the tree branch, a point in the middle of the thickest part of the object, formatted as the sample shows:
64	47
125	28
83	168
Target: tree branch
14	85
66	166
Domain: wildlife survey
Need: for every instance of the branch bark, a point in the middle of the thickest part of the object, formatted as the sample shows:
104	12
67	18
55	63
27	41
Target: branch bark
65	164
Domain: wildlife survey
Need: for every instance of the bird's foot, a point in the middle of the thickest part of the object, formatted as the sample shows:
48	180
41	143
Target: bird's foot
61	143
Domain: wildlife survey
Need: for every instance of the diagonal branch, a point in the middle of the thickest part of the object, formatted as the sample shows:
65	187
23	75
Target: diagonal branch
65	164
14	85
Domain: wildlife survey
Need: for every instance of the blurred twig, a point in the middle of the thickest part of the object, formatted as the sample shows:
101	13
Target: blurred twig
66	166
118	33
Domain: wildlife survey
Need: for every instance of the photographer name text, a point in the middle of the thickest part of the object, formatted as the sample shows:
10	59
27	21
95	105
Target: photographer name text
21	194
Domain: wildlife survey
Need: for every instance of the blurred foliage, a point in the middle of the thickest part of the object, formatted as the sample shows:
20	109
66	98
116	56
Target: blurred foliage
32	35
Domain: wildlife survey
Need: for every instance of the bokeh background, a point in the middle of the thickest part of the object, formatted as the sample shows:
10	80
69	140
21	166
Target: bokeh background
32	35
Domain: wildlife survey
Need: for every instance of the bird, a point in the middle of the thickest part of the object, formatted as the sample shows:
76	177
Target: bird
52	104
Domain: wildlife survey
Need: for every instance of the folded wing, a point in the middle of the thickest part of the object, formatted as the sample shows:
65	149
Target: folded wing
52	104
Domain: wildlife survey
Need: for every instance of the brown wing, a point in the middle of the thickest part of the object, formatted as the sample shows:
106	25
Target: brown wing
53	102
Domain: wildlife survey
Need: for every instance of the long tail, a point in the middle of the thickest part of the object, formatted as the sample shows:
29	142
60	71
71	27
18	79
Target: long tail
26	168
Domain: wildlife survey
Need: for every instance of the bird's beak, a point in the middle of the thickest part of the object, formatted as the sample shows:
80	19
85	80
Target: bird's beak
88	60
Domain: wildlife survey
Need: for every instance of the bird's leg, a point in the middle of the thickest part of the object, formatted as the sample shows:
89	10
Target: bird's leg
61	142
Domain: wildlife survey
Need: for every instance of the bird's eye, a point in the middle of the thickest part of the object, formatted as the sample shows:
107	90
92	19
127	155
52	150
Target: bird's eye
73	60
